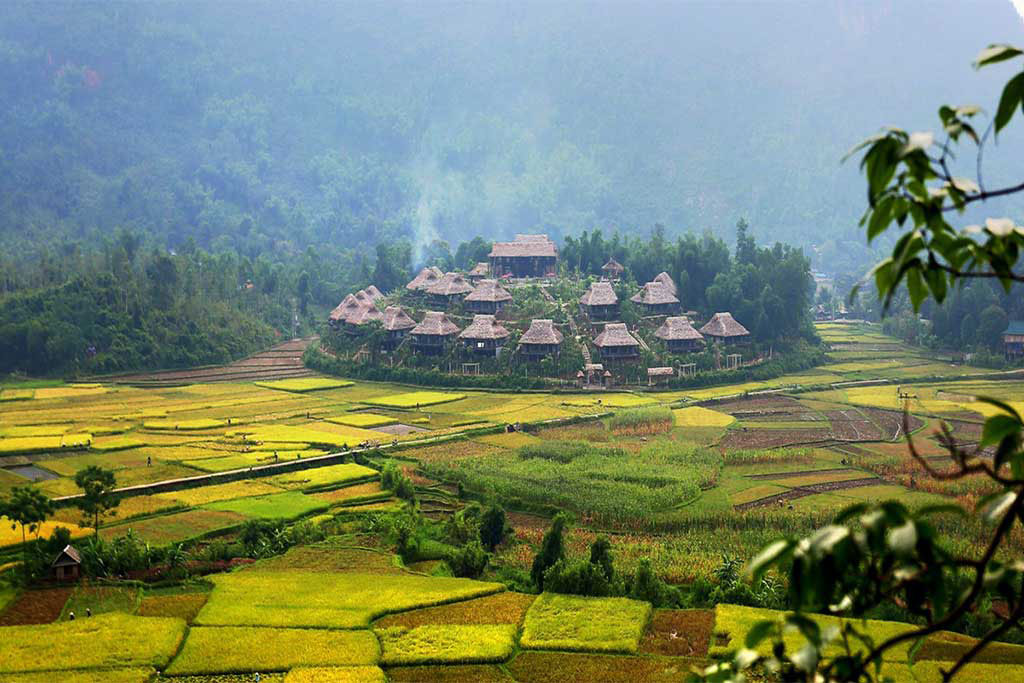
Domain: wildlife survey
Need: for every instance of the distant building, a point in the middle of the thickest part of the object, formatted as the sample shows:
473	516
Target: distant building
666	280
600	301
488	297
434	333
527	256
68	564
363	316
1013	339
657	298
478	273
484	336
659	375
397	324
542	339
428	277
616	343
613	270
723	328
450	288
679	335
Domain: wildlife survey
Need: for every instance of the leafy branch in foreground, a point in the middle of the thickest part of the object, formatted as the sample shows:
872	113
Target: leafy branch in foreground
884	553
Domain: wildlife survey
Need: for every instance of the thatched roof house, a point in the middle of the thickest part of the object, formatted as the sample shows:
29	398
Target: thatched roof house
433	332
488	297
723	327
363	316
397	320
373	293
67	565
666	280
542	339
450	286
679	334
613	269
426	278
615	342
527	256
600	301
484	335
656	297
343	311
479	271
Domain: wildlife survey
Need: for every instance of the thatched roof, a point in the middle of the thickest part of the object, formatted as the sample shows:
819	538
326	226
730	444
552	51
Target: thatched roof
67	557
594	367
525	246
374	293
484	327
664	279
480	270
599	294
489	290
348	306
396	319
724	325
654	293
435	323
364	315
677	328
542	331
452	284
426	278
615	334
660	372
613	266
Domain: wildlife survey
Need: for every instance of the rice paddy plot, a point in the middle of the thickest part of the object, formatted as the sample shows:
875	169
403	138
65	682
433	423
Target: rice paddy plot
571	622
283	505
346	674
42	444
338	436
99	676
241	649
321	600
218	492
557	667
696	416
501	608
447	644
362	420
414	399
117	443
319	477
94	643
238	461
69	392
12	536
174	424
305	384
176	527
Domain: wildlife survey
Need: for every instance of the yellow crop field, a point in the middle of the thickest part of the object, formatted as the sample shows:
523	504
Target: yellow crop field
696	416
308	599
201	423
116	444
343	674
73	391
571	622
36	444
9	536
240	649
113	640
212	494
103	676
303	384
21	431
727	390
17	394
362	420
447	644
307	435
414	399
322	476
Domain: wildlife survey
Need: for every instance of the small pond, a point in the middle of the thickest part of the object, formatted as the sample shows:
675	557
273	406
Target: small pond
32	472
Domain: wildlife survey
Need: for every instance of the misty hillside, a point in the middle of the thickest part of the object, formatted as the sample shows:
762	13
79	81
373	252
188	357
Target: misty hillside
269	128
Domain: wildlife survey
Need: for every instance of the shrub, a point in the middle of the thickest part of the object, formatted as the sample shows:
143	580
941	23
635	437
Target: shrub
493	527
648	587
578	577
552	549
469	561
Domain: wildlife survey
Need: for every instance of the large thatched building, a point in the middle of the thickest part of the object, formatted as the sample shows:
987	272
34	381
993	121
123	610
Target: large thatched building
488	297
434	333
527	256
600	302
725	329
484	336
542	339
397	324
616	343
427	278
679	335
656	298
450	288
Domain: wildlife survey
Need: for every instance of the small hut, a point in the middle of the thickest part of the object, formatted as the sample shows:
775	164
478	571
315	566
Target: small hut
659	375
665	279
488	297
1013	339
723	328
542	339
348	306
679	335
479	272
428	277
527	256
613	270
373	293
68	564
484	336
600	302
397	324
450	288
616	343
595	374
362	317
433	333
656	298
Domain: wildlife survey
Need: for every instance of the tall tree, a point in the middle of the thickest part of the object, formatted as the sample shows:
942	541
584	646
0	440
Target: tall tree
29	508
98	498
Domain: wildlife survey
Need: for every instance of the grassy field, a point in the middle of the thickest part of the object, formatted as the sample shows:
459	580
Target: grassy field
447	644
568	622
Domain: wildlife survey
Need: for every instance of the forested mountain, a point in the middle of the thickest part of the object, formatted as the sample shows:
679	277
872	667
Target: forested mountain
268	128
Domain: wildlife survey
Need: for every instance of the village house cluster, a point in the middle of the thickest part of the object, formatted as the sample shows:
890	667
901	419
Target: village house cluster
484	292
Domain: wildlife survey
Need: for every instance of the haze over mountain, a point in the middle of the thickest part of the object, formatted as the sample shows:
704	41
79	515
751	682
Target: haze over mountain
273	127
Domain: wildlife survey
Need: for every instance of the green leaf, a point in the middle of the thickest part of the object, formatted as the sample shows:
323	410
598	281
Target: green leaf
1009	101
999	506
916	287
914	649
903	539
999	427
1002	405
759	632
993	54
941	508
768	557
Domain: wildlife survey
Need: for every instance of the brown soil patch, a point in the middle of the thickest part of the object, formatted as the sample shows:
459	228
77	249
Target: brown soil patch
502	608
588	431
447	674
891	422
803	473
36	607
809	490
747	438
676	633
852	425
185	606
327	559
559	667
